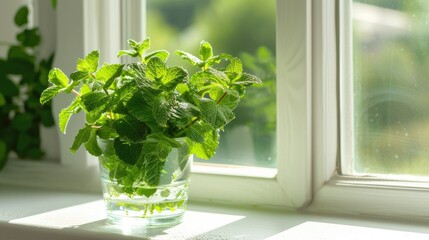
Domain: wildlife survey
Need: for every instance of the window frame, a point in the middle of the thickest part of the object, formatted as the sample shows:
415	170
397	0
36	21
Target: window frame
308	137
83	24
333	192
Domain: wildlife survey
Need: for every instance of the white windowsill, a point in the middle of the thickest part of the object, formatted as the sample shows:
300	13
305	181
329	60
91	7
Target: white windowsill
28	213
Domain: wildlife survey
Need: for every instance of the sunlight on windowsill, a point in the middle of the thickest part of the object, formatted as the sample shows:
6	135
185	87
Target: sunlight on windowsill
91	216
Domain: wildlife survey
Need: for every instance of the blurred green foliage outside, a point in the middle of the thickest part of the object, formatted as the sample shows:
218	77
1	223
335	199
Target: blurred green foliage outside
245	28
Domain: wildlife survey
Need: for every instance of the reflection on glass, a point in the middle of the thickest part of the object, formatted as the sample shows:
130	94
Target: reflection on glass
245	28
391	83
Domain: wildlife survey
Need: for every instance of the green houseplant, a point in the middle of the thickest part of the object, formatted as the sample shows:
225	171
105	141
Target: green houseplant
145	120
23	77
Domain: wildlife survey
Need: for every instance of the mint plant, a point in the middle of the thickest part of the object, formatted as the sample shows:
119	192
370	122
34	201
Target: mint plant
147	107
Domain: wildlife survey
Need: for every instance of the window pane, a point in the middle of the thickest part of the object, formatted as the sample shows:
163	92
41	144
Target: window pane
227	25
391	83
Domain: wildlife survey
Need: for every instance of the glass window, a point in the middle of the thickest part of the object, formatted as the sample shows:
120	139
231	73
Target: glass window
390	121
245	28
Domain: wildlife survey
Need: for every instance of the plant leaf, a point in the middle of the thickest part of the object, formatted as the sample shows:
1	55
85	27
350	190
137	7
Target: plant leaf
207	148
22	122
3	153
95	104
109	71
215	115
8	88
78	75
82	137
2	100
129	153
234	69
206	51
29	37
57	77
130	129
89	63
156	69
91	145
66	113
162	54
50	93
195	61
131	53
21	16
161	112
174	76
247	80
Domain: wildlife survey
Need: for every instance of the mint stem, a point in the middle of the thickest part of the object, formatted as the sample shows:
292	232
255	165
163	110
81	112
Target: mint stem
76	93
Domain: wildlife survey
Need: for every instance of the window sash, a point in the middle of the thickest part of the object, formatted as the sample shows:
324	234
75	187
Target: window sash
82	28
335	193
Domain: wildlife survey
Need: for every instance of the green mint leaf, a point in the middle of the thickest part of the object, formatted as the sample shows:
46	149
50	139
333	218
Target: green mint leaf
85	89
195	61
95	104
58	78
130	129
247	80
19	53
138	106
82	137
217	59
227	97
46	117
122	96
174	76
161	112
109	71
71	86
79	75
206	51
140	47
54	4
146	191
131	53
29	37
66	113
205	78
3	153
215	115
152	167
106	132
183	112
2	100
89	63
50	93
8	88
22	122
234	69
154	153
129	153
156	69
207	148
21	16
92	145
162	54
162	139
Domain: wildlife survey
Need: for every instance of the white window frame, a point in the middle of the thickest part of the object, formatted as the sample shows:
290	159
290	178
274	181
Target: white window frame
307	124
85	24
333	192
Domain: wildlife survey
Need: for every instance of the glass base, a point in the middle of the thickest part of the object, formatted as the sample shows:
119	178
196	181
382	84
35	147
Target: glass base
165	221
